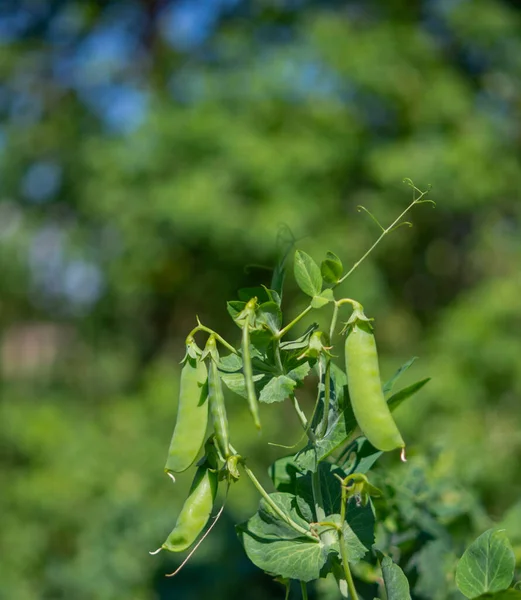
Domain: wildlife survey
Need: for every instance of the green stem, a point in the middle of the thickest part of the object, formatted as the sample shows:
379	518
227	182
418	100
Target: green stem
383	234
285	330
333	324
276	345
328	536
279	512
220	339
343	548
347	571
302	418
304	589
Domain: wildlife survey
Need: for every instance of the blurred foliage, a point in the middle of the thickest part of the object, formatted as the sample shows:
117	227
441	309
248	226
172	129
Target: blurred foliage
149	151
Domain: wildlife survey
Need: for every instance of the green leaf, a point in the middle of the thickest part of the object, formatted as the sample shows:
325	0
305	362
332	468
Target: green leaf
396	399
283	472
299	372
307	274
277	548
396	584
388	385
358	530
330	485
506	595
235	308
487	565
435	564
301	342
280	387
360	456
269	315
277	389
235	382
331	268
230	363
323	298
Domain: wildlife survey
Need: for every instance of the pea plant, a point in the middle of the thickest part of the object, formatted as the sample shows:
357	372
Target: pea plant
326	517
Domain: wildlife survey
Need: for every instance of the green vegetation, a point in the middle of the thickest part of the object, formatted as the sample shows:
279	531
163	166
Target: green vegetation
142	171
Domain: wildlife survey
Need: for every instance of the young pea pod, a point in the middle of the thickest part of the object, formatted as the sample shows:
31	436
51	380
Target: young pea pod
247	367
192	415
197	508
365	388
216	400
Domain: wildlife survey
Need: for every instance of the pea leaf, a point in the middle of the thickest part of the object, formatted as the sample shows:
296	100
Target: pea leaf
360	456
506	595
487	565
396	583
307	274
358	530
283	472
235	382
234	308
323	298
388	385
277	548
301	342
277	389
435	564
280	387
396	399
331	268
331	490
269	315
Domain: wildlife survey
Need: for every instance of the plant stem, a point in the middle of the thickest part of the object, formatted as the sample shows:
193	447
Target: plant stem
333	324
304	589
302	418
285	330
280	513
220	339
347	571
383	234
276	345
343	548
320	514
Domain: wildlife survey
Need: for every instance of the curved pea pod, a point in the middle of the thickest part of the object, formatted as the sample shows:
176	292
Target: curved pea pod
192	417
196	510
365	388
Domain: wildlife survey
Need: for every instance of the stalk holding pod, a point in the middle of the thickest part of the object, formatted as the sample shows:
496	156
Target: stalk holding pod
365	387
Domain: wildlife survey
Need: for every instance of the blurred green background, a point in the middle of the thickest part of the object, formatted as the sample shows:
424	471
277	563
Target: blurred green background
149	151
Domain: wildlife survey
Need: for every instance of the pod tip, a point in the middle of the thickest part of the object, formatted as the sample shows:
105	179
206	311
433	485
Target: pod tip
156	551
171	476
403	458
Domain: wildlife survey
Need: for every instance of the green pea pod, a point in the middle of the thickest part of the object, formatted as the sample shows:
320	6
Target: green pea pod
365	388
216	400
247	368
192	417
196	510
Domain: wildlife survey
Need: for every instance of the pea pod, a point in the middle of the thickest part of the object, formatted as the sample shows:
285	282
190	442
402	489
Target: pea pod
247	367
216	400
192	416
365	388
197	508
